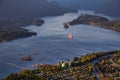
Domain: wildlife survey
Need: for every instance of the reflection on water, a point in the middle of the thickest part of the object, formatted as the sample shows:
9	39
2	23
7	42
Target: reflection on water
52	43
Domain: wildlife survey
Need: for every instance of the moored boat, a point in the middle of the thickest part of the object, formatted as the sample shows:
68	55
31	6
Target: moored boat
26	58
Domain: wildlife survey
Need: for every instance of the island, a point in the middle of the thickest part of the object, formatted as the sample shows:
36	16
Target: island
95	20
66	25
11	29
94	66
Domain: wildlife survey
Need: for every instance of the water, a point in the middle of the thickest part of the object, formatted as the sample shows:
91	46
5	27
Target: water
53	45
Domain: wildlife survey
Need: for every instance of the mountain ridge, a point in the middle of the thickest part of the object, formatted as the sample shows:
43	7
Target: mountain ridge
29	8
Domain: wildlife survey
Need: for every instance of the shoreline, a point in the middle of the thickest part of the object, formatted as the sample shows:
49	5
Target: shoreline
47	38
25	31
95	20
85	62
13	29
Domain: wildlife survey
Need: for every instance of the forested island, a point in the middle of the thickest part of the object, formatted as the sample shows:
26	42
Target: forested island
11	29
95	20
86	67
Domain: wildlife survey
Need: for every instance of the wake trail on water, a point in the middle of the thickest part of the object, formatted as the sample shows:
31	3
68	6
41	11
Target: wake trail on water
15	65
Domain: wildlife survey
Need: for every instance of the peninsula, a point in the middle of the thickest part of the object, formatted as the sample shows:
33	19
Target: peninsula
11	29
95	20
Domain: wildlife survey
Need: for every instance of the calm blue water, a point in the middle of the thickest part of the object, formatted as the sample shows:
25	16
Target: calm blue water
53	45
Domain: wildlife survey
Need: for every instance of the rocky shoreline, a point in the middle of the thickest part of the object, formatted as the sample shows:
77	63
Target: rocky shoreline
97	21
11	29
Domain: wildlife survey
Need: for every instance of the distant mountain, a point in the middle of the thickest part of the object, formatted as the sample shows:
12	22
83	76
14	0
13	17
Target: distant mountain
29	8
41	8
108	7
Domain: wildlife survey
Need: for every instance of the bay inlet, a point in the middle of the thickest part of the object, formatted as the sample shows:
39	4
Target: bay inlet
52	44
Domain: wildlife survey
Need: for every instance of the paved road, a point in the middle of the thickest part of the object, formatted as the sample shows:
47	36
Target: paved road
94	71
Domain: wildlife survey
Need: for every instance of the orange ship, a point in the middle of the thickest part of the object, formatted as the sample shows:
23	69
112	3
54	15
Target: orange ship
70	36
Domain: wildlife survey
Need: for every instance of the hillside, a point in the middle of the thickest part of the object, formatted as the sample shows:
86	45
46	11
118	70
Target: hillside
86	67
28	8
13	28
107	7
